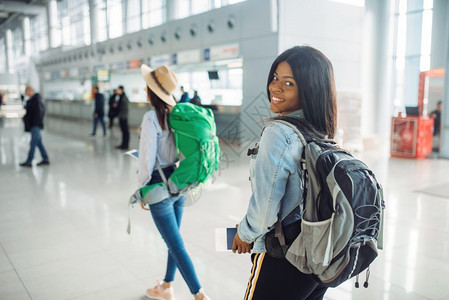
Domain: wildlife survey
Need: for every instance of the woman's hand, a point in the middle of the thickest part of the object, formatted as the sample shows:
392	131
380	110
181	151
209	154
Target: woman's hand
240	246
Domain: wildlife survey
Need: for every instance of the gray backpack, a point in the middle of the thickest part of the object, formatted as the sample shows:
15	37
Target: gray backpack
341	227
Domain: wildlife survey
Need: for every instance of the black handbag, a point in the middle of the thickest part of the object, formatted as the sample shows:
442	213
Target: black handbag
279	239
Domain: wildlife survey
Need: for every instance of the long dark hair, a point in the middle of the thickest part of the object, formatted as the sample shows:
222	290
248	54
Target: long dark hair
314	77
160	107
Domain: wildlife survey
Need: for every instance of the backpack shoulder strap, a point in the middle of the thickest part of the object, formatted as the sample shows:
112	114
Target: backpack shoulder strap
159	168
278	225
295	129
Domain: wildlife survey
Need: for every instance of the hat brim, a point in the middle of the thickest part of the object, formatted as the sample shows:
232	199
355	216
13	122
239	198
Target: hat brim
152	84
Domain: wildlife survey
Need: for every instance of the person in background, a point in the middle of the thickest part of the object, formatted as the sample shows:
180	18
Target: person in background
98	110
112	113
196	99
123	108
34	123
301	91
157	146
436	115
184	96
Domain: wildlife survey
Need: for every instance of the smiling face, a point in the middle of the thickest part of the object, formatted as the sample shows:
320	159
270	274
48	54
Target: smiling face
283	89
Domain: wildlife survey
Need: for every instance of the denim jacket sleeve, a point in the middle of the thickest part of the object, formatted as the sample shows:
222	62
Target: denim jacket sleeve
270	172
147	149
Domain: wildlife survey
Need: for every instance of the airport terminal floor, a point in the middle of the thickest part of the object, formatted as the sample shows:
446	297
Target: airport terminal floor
63	226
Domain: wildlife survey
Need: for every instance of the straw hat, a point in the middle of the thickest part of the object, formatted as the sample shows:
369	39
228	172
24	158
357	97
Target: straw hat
162	81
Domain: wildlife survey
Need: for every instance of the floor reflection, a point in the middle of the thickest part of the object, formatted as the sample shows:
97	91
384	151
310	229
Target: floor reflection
63	227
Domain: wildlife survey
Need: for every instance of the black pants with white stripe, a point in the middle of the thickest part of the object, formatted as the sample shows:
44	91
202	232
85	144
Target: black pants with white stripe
273	279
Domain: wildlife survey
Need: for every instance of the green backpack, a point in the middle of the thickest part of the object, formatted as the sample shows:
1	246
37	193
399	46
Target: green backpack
196	138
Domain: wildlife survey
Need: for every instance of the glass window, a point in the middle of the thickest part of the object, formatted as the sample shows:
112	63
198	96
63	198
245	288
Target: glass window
26	35
133	16
100	9
182	9
426	40
39	37
199	6
227	90
2	56
153	12
411	54
9	50
185	8
64	20
115	18
17	42
56	38
73	22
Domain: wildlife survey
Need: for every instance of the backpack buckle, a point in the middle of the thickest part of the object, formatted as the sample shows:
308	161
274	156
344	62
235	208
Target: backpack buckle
303	164
253	151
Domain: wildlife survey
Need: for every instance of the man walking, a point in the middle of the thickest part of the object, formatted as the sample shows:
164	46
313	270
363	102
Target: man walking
184	96
123	118
196	99
98	110
34	123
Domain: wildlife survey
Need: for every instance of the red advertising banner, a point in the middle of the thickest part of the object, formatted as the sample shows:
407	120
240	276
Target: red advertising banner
134	64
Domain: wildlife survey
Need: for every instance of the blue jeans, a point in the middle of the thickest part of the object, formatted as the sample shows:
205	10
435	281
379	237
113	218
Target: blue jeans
36	140
167	216
94	130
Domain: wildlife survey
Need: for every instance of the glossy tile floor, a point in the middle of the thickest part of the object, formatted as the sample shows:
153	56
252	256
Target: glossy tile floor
63	227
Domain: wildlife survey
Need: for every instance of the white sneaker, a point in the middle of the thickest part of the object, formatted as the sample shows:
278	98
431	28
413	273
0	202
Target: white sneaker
205	297
159	293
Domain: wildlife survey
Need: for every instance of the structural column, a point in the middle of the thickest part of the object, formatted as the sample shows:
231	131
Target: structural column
444	133
93	22
49	25
171	10
7	66
125	16
440	58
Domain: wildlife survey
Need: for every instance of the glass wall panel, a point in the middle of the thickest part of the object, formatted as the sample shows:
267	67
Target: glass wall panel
153	12
55	29
182	9
199	6
100	10
115	18
133	15
17	42
74	22
185	8
38	32
9	50
227	90
2	56
413	22
26	35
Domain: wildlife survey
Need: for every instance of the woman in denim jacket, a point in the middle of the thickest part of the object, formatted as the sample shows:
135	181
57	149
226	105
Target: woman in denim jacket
157	145
301	90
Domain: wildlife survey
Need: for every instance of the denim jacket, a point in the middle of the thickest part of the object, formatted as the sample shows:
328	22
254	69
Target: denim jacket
276	183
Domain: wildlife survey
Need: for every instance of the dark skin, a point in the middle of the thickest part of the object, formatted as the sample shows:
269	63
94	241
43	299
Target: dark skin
240	246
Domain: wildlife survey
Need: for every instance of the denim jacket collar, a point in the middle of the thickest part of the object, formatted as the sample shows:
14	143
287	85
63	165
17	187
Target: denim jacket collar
298	114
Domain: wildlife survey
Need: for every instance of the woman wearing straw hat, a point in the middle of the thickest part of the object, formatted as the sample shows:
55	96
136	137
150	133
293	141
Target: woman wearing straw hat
157	145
